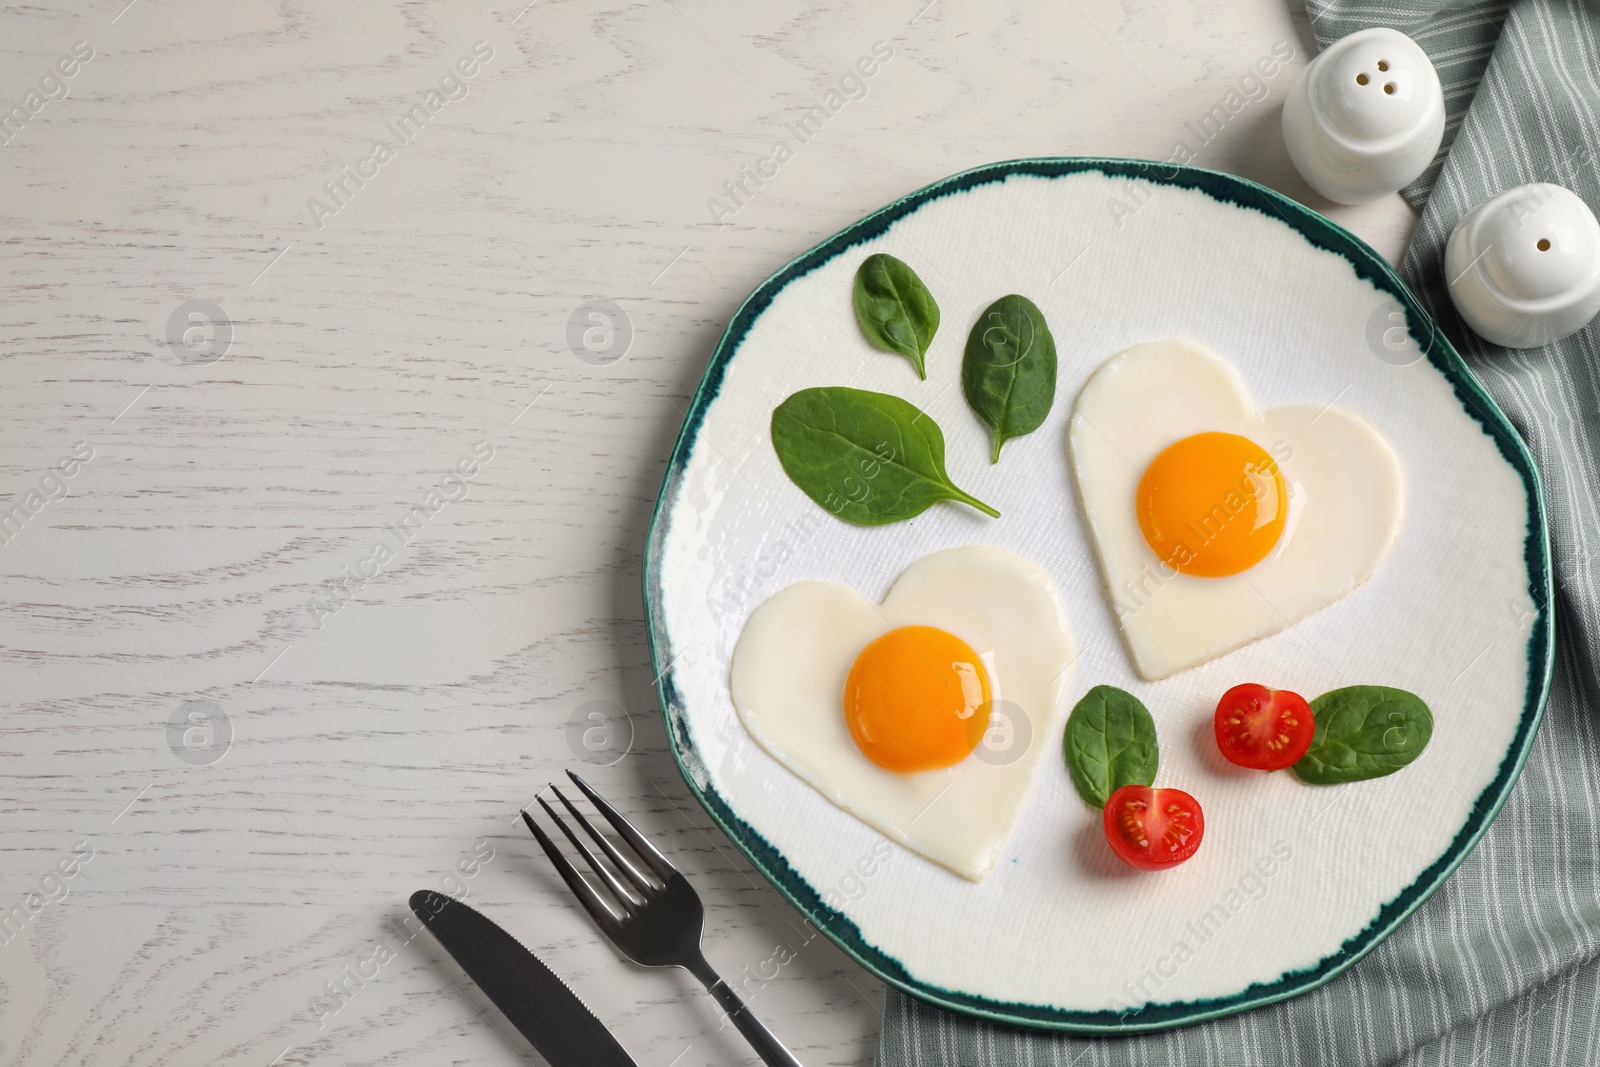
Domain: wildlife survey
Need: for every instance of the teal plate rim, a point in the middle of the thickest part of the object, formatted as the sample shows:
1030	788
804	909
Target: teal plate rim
1430	340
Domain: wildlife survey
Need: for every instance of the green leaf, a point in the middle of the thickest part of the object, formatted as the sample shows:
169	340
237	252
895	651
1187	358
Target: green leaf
1009	371
1110	742
895	310
870	458
1364	731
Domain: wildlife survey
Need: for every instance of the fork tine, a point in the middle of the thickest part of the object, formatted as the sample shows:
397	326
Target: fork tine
618	860
627	902
597	909
649	853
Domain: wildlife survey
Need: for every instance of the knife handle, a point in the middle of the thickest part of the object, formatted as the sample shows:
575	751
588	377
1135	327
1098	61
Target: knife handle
768	1047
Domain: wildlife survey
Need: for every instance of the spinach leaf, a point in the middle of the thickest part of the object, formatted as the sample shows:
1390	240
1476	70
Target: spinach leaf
870	458
895	310
1364	731
1110	742
1009	372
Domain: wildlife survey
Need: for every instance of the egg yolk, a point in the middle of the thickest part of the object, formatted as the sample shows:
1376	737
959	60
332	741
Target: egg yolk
917	699
1213	504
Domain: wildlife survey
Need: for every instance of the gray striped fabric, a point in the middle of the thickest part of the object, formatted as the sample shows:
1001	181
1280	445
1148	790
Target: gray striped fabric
1502	965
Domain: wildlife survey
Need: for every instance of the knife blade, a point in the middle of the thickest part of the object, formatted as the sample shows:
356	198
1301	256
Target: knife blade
537	1002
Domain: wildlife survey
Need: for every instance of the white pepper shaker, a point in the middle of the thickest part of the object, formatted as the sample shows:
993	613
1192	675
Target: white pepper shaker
1524	266
1365	117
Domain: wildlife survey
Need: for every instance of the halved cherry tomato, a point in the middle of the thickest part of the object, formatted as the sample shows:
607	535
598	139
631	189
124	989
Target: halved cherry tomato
1153	829
1267	729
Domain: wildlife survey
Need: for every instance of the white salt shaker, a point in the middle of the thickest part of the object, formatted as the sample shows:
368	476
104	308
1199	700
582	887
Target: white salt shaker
1524	267
1365	117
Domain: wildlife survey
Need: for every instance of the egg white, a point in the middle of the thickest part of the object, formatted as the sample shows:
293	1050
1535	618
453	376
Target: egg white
1345	499
796	649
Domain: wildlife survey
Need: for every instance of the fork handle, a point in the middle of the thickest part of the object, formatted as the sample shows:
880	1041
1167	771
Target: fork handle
768	1047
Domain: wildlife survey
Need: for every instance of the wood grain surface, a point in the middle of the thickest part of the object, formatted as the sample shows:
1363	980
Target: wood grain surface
259	731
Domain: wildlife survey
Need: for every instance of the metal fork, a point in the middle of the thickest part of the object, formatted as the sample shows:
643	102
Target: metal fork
661	920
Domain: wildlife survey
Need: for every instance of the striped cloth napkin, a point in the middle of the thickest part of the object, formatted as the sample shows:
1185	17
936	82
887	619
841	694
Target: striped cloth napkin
1502	965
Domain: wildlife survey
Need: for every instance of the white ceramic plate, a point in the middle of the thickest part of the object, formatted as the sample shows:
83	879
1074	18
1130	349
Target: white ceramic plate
1294	882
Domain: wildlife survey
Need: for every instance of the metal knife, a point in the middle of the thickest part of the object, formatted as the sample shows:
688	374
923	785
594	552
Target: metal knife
538	1003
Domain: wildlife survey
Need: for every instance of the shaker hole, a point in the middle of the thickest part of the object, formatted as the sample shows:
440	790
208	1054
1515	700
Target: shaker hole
1362	79
1544	244
1389	88
1383	64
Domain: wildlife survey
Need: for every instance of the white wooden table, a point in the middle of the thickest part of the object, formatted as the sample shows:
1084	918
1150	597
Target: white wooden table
186	495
